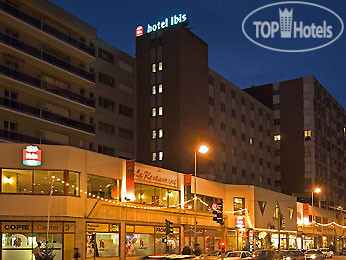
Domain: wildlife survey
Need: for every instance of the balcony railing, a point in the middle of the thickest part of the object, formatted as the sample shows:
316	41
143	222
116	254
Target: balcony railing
47	115
21	138
15	43
37	23
38	83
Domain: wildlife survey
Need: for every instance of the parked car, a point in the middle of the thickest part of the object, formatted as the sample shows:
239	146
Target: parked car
327	252
237	255
292	255
314	254
265	255
169	257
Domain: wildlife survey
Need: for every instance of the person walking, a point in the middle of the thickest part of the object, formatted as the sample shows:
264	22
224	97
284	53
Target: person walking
76	255
37	251
186	250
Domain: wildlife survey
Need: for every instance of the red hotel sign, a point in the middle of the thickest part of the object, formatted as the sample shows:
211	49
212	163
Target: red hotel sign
32	156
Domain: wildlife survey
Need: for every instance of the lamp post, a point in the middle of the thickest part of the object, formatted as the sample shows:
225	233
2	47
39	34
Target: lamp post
203	149
316	190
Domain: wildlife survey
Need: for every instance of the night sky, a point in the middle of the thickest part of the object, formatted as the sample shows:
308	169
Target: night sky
219	23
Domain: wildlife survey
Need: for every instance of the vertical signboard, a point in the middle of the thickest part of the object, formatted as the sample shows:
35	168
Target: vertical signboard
187	189
130	179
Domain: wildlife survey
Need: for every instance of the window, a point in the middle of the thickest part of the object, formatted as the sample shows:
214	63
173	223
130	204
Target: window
307	135
211	121
153	134
252	123
223	107
104	187
10	126
243	173
211	80
239	204
234	132
223	147
242	100
211	101
268	132
153	90
40	182
260	161
233	94
260	179
269	181
106	103
222	87
277	168
160	66
260	111
160	88
243	136
252	107
276	121
260	128
252	158
277	138
160	111
223	127
268	149
268	165
154	157
234	151
251	141
160	156
125	133
243	155
233	113
243	119
153	111
268	116
260	145
126	66
276	92
105	150
125	111
234	170
105	55
160	133
106	128
105	79
276	107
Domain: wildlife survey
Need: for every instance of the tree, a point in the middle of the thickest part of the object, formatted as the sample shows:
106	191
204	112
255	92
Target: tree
47	252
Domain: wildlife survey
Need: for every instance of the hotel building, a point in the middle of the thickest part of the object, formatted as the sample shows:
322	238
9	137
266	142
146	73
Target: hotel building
182	103
309	135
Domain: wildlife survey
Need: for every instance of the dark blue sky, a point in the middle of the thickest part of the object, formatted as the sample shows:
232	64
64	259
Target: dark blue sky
219	24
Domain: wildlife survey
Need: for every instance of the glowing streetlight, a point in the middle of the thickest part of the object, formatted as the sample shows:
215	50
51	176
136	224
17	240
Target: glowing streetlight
317	190
203	149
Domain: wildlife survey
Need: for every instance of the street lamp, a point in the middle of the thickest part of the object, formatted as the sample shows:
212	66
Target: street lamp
203	149
316	190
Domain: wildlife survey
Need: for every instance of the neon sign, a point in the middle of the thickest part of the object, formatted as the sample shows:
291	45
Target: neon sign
174	20
32	156
239	222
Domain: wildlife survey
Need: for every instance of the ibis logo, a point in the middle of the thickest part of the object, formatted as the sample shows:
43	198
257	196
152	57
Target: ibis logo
293	26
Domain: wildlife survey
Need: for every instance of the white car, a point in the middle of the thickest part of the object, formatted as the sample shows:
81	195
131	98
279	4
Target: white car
327	252
237	255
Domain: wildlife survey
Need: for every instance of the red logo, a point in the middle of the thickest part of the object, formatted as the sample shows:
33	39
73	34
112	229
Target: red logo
239	222
139	31
32	156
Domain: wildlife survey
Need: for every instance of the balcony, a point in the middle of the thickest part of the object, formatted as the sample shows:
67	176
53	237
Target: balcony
41	25
39	54
21	138
46	115
38	83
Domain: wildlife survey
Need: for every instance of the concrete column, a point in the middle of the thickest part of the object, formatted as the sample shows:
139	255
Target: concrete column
122	241
80	237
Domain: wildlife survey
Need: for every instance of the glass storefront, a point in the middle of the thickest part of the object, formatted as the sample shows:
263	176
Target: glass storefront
208	239
104	187
61	182
238	239
18	239
102	240
147	240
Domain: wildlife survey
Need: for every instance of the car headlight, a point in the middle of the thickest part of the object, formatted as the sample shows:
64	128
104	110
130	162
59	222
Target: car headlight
287	258
332	253
313	256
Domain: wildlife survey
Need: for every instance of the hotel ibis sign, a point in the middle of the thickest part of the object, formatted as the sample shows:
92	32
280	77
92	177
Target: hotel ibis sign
167	22
32	156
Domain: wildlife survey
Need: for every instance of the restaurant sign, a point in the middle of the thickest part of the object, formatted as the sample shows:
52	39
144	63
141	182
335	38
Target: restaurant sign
153	176
32	156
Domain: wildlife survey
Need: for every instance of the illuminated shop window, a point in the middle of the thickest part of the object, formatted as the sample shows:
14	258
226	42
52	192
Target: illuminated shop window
104	187
160	111
160	156
277	138
239	204
160	133
153	111
160	88
153	90
160	65
154	157
307	135
153	67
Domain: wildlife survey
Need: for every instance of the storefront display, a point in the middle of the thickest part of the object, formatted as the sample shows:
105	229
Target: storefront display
146	240
208	239
102	240
20	238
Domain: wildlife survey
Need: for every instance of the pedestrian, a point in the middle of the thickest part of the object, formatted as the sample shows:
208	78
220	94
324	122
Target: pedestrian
76	255
37	251
186	250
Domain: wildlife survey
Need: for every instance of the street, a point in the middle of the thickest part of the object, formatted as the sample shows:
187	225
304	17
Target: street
339	257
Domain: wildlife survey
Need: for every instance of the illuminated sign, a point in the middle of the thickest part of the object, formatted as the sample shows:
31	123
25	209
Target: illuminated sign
32	156
240	222
174	20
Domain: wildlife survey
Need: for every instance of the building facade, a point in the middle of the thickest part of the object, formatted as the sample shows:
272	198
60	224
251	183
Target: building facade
182	103
310	151
88	198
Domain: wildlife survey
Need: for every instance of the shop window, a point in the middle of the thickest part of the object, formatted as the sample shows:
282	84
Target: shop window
104	187
239	204
42	182
139	243
16	181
